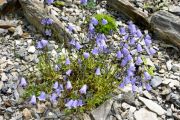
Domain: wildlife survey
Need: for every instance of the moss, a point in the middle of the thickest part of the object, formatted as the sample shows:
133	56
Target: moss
110	26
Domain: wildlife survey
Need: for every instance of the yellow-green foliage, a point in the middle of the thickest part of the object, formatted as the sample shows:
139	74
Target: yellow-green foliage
105	28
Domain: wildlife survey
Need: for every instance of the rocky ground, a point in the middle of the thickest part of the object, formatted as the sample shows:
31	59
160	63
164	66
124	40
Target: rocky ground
18	57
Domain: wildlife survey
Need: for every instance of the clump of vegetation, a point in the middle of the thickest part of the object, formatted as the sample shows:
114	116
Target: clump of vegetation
86	74
59	3
106	23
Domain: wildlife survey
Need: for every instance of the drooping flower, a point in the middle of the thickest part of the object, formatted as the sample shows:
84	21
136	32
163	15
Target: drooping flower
80	103
56	84
72	42
147	76
42	96
127	80
126	37
139	61
48	32
104	22
139	33
41	44
98	72
122	30
122	85
148	87
57	67
78	46
86	55
53	98
132	41
148	37
132	28
49	21
129	57
91	28
95	51
125	51
68	62
152	51
83	89
68	85
58	92
33	100
134	88
23	82
61	87
43	21
68	72
133	80
49	2
70	28
83	2
132	67
69	104
147	42
94	21
124	62
75	104
130	73
79	61
119	55
139	48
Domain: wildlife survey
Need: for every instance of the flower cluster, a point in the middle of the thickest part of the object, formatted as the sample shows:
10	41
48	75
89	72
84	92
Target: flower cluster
85	74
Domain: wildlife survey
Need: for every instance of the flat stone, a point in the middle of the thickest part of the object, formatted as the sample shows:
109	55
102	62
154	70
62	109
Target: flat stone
4	77
31	49
18	31
125	106
27	114
86	117
156	81
169	64
102	111
147	94
174	9
153	106
144	114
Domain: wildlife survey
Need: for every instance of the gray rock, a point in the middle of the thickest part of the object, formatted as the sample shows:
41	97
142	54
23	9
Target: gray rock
144	114
18	31
153	106
156	81
169	64
102	111
169	112
31	49
176	67
166	26
174	9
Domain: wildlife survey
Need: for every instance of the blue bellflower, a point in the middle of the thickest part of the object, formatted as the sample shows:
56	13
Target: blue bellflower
83	89
49	2
42	96
48	32
83	2
56	84
23	82
68	85
95	51
122	31
86	55
98	72
68	62
68	72
94	21
41	44
33	100
104	22
147	76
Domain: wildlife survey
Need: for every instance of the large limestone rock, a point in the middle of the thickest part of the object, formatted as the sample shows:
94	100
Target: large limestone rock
125	7
166	26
